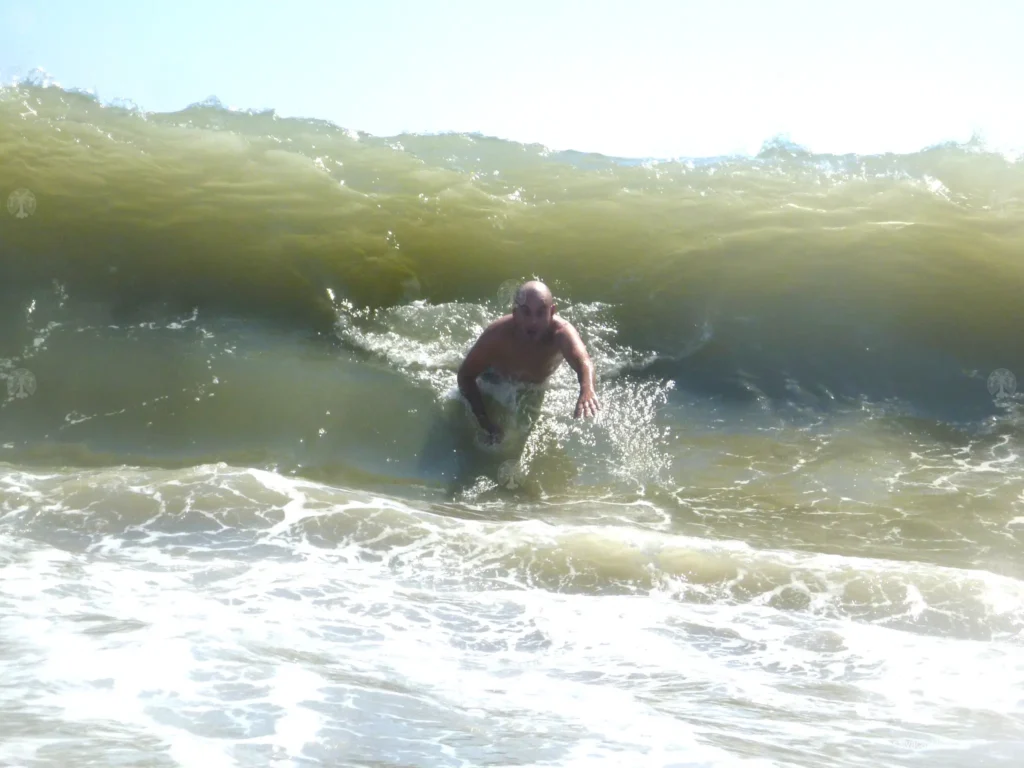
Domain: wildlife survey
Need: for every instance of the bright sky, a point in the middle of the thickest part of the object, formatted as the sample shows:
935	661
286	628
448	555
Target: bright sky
632	78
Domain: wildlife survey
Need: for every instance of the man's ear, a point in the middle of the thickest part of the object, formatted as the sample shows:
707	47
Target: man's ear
554	308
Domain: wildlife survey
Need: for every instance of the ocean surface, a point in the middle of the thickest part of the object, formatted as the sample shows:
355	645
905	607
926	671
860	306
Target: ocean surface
244	521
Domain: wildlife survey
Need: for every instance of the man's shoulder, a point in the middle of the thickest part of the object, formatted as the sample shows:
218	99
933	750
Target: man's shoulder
562	328
496	332
500	326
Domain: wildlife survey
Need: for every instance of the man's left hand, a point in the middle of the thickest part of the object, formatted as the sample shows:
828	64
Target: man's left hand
587	405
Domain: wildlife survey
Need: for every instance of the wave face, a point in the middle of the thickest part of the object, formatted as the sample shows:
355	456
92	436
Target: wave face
244	520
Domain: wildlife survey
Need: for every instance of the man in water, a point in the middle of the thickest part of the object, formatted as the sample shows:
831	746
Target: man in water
527	346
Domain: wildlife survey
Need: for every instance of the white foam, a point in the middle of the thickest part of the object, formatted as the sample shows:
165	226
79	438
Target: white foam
414	635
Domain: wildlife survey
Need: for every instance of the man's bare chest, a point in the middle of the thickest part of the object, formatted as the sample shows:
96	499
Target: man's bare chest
529	362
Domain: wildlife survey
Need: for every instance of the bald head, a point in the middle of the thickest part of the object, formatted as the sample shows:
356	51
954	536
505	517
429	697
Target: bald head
533	309
532	291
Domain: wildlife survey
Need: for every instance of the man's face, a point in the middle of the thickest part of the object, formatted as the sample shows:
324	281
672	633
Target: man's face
532	316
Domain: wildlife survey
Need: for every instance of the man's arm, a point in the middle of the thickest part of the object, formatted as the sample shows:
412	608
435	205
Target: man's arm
575	353
477	360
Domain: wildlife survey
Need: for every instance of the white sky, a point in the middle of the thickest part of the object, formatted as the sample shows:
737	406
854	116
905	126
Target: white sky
631	78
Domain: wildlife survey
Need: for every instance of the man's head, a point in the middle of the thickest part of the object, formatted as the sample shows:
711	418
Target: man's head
533	309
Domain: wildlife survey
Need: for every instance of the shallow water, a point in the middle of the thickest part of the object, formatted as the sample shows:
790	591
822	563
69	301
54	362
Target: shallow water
243	521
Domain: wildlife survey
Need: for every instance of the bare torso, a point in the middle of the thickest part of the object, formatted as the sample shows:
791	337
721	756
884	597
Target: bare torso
527	348
517	358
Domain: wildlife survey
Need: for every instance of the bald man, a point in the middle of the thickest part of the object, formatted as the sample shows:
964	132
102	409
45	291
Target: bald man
528	346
